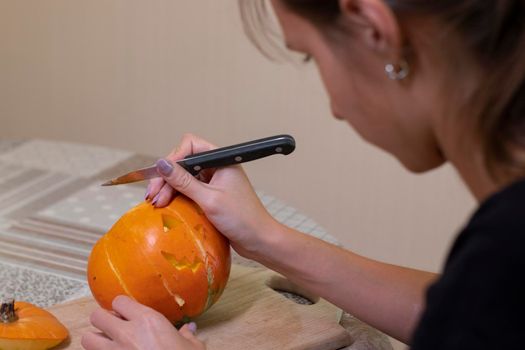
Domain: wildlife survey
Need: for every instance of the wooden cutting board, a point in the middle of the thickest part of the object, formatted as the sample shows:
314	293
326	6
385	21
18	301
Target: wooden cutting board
249	315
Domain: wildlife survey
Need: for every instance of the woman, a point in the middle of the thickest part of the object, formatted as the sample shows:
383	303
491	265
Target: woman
429	81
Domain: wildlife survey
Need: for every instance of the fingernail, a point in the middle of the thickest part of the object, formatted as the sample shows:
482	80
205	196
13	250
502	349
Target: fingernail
192	326
148	192
165	168
155	199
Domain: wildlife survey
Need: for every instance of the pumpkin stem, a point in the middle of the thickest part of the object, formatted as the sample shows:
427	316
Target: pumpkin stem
7	311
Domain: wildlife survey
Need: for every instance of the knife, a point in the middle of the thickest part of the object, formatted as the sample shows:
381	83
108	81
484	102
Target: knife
220	157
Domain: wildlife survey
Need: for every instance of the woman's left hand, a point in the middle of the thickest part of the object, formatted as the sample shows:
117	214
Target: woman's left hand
137	327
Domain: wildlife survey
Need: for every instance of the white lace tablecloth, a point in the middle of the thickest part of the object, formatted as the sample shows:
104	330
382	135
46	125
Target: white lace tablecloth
52	210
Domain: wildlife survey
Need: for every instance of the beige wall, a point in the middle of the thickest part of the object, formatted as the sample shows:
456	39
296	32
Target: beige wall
138	74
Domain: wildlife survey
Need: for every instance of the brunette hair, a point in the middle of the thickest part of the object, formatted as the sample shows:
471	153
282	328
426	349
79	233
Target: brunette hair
493	33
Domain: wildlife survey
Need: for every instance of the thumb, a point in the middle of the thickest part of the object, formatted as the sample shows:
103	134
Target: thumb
181	180
188	331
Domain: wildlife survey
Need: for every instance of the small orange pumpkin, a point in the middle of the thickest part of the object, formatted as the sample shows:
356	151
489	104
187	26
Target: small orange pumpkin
171	259
24	326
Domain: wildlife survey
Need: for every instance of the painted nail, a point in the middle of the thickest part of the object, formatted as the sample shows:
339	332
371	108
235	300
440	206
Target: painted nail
155	199
165	168
192	326
148	192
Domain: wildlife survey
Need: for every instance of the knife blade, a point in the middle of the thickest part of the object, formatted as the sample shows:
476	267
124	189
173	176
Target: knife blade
220	157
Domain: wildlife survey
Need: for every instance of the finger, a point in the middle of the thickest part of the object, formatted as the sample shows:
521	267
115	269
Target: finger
181	180
189	330
164	197
116	314
129	308
96	341
154	187
106	322
190	144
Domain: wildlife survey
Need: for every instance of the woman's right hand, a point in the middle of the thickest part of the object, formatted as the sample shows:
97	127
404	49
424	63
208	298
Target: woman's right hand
225	195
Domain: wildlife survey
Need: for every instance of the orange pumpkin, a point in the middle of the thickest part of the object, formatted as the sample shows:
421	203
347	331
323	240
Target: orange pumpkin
24	326
171	259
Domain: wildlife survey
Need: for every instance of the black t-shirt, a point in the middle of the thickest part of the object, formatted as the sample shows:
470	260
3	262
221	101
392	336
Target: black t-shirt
479	301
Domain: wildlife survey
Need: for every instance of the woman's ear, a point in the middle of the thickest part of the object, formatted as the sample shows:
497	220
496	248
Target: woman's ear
375	24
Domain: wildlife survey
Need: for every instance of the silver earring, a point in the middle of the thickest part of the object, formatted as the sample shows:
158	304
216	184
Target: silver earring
397	71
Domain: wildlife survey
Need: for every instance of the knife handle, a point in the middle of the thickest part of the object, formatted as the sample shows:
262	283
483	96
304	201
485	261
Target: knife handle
240	153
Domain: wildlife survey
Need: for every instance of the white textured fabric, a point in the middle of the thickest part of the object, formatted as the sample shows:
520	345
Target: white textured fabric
94	206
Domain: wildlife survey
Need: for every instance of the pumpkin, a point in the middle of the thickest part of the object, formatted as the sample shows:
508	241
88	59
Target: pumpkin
24	326
171	259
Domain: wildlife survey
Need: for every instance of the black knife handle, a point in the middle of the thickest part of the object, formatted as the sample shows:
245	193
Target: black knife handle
240	153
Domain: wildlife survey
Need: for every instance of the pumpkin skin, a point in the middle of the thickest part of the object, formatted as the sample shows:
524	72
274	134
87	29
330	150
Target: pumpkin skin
171	259
34	329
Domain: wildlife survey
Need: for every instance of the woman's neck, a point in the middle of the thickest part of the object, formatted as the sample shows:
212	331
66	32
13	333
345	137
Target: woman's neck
459	146
475	176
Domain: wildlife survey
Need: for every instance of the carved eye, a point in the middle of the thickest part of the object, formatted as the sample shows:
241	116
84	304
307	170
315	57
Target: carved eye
169	222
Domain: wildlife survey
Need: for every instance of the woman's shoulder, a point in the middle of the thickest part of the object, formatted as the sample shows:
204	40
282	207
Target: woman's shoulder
478	303
507	207
497	229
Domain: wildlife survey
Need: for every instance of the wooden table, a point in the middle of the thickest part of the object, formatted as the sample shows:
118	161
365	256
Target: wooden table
52	210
